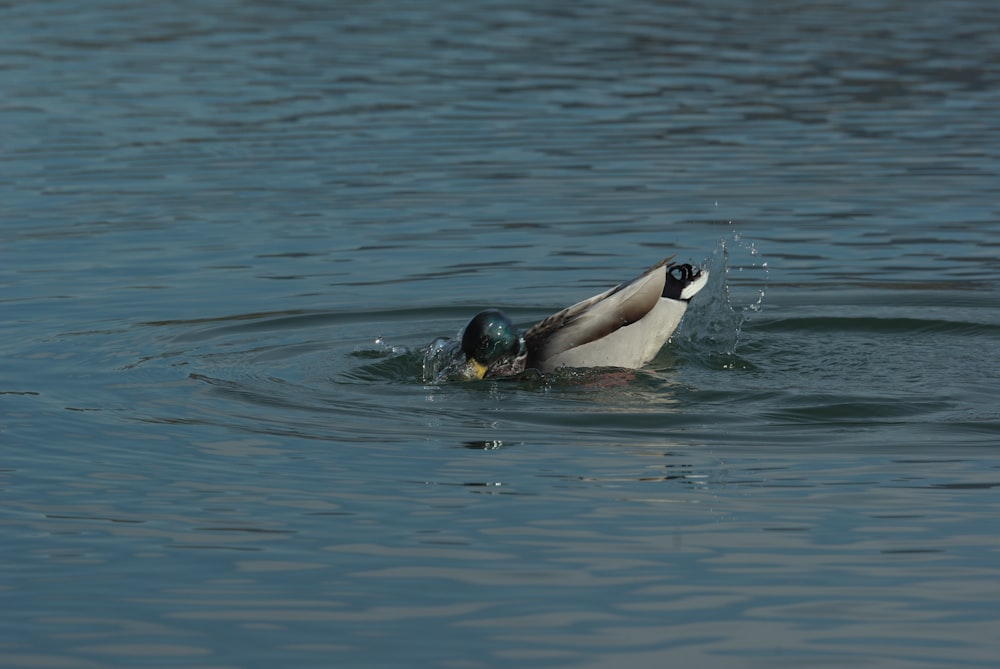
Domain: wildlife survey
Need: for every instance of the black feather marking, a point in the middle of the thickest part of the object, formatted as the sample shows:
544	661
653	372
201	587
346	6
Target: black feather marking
679	277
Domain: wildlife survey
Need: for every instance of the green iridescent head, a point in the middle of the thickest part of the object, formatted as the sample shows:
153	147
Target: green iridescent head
488	339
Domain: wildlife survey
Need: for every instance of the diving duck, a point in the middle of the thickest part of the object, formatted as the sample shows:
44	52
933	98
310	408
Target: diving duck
622	327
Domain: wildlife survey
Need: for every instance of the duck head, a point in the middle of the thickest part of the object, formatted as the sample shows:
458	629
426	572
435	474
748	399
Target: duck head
490	341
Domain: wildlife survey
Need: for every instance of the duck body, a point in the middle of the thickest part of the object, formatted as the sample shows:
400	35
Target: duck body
625	326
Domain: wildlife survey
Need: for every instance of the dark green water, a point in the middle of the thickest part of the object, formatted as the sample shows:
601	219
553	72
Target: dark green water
229	230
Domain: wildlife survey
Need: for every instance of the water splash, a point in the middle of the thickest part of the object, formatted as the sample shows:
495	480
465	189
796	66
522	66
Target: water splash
443	361
439	362
717	318
380	348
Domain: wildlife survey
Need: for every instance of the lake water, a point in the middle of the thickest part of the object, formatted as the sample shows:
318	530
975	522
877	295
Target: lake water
228	231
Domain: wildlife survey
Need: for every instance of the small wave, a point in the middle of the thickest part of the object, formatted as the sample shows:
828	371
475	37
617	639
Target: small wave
878	325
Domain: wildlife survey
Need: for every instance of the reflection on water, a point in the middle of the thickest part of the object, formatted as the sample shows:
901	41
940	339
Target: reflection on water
231	231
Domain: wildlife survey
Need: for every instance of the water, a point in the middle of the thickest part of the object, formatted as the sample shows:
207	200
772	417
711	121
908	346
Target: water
228	231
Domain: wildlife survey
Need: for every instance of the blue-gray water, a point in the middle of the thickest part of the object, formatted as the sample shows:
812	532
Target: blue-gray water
227	229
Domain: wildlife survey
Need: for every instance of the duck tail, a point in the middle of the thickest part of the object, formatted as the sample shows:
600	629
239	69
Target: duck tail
684	281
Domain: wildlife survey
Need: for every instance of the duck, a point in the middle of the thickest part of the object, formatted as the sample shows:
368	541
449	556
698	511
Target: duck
625	326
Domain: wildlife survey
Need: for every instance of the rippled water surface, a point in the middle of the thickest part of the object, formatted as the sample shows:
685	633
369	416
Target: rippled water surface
229	231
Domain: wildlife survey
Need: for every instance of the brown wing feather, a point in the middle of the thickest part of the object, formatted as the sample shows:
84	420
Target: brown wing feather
598	316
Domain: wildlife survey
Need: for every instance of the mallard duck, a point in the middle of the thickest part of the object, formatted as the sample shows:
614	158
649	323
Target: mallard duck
622	327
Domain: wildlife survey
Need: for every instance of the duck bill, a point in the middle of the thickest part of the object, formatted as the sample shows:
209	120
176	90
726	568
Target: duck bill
475	369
